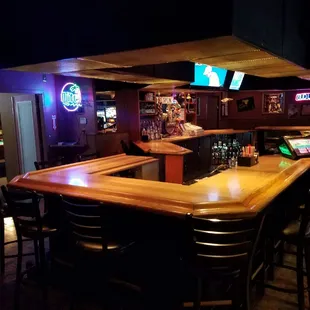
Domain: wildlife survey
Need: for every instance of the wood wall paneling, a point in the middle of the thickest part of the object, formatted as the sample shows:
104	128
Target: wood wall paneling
128	113
255	118
208	118
110	143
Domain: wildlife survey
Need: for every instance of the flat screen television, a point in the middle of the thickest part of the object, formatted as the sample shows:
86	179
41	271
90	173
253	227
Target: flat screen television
295	147
236	80
110	112
206	75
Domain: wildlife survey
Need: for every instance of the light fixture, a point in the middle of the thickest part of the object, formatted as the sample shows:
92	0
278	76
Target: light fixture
188	97
224	100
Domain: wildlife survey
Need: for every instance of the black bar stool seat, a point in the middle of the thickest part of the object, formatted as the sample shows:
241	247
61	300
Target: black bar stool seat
29	229
291	232
24	207
5	213
96	250
296	233
89	156
97	247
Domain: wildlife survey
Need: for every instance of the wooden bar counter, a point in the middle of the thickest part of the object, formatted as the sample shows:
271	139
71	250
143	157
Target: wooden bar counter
174	154
232	193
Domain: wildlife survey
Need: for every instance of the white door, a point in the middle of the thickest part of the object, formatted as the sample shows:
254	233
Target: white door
26	131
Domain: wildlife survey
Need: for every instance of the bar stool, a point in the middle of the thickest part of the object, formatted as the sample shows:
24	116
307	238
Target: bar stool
223	249
39	165
125	147
30	224
4	213
297	233
92	242
83	157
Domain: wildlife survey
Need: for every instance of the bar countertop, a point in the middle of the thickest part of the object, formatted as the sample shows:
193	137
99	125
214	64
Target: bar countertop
234	192
166	146
284	128
162	147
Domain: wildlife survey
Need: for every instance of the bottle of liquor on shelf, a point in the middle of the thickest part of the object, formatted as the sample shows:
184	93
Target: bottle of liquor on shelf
214	153
152	133
236	147
144	136
148	133
225	153
219	150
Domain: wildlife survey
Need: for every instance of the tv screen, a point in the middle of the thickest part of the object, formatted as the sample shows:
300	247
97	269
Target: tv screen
206	75
110	112
236	80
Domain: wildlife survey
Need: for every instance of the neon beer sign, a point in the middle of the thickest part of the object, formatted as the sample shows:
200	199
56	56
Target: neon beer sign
71	97
302	97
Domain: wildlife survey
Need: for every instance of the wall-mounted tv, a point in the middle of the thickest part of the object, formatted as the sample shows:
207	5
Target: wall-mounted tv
110	112
206	75
236	80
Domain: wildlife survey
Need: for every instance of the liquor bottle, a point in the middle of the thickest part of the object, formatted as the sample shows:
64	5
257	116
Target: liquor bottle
219	151
214	154
225	153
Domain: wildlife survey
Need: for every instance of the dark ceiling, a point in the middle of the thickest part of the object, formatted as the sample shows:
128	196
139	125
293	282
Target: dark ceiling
128	41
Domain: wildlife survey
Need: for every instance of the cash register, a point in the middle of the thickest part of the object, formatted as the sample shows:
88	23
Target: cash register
295	147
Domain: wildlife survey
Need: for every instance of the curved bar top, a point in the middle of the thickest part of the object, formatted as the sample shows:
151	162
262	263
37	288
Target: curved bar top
166	146
209	132
241	191
162	147
284	128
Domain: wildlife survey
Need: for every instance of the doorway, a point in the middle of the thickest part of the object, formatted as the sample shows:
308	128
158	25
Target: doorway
209	112
28	130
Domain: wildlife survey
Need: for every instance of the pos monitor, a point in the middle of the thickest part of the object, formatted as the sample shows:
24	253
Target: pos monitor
295	147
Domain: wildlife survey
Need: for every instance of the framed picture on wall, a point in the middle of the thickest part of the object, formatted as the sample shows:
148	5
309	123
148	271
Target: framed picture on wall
293	110
305	109
273	103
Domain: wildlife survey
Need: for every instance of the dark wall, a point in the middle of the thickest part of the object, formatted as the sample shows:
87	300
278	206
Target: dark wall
32	83
254	118
278	26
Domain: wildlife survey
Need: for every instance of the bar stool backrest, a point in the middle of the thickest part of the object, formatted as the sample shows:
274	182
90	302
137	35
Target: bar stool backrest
83	157
125	147
222	243
24	207
85	221
39	165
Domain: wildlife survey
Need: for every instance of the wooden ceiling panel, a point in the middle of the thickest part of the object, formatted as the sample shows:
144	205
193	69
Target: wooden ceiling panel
65	65
279	71
122	77
244	56
305	77
188	51
226	52
165	86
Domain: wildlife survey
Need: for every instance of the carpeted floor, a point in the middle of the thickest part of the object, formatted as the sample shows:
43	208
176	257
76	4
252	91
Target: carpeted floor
59	298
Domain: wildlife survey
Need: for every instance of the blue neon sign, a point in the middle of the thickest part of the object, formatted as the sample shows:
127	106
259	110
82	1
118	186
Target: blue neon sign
71	97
